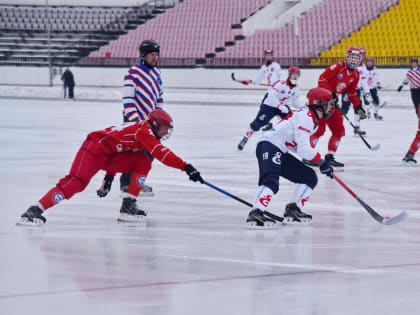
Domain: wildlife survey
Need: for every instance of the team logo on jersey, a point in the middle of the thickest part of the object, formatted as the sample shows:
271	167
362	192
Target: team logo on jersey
340	76
314	142
265	200
277	158
141	180
418	144
58	197
119	147
337	143
340	87
262	117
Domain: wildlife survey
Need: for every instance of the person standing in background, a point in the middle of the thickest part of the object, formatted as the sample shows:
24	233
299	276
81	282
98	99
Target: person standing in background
413	77
68	80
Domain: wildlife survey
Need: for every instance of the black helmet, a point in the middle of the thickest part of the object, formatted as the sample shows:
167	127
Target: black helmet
414	59
148	46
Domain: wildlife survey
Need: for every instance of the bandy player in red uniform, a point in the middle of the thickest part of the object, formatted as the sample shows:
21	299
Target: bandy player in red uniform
338	78
116	149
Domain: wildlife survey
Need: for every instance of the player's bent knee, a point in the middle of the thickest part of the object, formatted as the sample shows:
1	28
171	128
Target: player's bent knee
311	178
270	181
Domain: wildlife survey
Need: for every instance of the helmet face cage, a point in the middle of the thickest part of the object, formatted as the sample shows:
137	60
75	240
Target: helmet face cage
353	59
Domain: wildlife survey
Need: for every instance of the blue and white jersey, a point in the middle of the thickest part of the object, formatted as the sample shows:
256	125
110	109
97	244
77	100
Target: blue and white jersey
142	92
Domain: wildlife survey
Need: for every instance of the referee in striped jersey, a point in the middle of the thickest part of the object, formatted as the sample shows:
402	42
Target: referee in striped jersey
413	77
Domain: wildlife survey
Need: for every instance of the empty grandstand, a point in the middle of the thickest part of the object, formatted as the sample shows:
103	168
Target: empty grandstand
210	33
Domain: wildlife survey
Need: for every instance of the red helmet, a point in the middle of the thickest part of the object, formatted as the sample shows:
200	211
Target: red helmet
362	50
354	57
294	70
320	98
158	118
268	51
369	59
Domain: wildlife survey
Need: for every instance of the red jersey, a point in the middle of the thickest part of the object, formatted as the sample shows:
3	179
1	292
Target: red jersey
337	78
134	137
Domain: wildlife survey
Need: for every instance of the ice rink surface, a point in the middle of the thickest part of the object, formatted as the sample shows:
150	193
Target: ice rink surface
194	255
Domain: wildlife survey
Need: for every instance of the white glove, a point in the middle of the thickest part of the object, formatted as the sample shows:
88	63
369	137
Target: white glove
284	108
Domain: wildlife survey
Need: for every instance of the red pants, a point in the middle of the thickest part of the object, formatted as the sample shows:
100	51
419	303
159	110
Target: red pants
415	145
335	123
88	161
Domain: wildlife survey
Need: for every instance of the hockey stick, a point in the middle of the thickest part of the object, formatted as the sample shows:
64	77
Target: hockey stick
374	148
240	81
383	104
373	213
268	214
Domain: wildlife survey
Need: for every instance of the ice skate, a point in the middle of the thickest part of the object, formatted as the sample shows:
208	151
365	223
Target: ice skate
377	116
129	211
409	160
257	220
32	217
369	116
309	163
293	215
242	144
358	131
330	158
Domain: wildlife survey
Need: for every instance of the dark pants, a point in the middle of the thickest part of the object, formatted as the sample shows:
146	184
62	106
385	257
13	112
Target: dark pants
265	114
375	97
415	96
274	164
71	90
345	103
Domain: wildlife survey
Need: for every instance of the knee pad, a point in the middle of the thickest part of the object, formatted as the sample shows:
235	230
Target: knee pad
311	179
338	132
271	181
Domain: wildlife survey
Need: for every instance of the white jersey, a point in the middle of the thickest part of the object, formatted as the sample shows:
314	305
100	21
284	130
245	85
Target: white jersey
281	94
271	73
293	134
363	84
373	79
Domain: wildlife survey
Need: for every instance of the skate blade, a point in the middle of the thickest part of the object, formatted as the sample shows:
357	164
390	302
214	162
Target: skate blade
147	193
266	226
338	169
408	164
292	221
26	222
124	217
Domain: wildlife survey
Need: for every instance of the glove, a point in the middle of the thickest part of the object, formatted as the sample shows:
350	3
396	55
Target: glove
378	85
106	186
193	173
246	82
326	169
361	112
335	98
285	109
400	88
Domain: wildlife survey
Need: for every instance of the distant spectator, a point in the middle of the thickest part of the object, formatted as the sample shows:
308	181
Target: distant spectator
68	81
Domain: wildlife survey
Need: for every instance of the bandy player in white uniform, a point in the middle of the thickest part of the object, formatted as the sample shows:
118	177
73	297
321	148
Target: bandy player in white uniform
275	102
274	160
374	84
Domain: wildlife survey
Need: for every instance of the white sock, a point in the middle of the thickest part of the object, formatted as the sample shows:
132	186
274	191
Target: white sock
356	120
263	197
367	108
127	195
302	194
249	133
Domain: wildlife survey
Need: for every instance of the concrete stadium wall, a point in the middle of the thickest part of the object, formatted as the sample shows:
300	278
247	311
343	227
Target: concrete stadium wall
172	77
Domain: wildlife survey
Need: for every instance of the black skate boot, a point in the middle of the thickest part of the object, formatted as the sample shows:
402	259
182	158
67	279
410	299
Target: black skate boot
330	158
293	215
369	116
377	116
409	159
241	144
309	163
257	220
358	131
129	211
32	217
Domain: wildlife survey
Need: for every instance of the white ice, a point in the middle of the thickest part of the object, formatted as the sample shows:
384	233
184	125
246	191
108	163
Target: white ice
194	256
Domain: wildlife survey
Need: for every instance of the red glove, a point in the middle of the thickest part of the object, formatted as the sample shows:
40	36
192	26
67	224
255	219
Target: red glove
246	82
